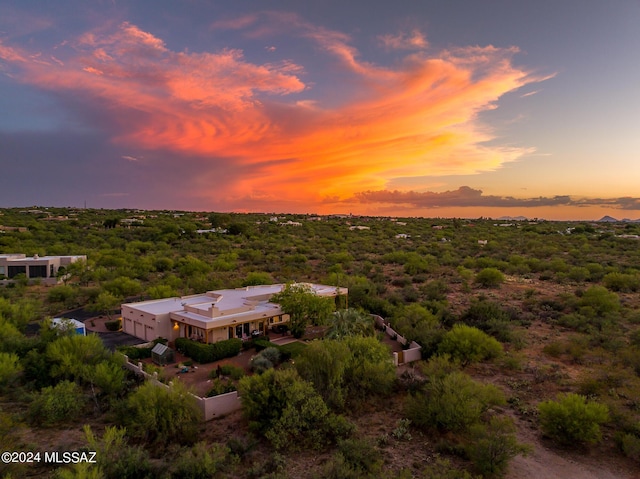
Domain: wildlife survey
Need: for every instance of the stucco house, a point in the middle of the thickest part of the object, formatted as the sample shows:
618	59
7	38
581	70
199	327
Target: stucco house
212	316
43	267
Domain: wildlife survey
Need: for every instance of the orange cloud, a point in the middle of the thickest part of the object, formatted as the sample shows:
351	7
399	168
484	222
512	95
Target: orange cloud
417	118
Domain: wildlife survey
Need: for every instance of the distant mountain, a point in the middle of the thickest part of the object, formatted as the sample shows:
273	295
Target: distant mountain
513	218
607	219
627	220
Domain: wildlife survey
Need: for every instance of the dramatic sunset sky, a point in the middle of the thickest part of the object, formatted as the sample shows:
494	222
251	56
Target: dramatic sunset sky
430	108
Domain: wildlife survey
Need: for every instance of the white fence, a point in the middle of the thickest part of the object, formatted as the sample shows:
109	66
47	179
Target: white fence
212	407
412	353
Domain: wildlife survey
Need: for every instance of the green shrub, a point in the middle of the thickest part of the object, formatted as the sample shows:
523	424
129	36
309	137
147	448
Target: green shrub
489	278
260	364
202	461
233	371
54	404
492	446
134	353
113	325
572	420
289	412
208	353
600	299
621	282
452	402
467	345
156	413
218	386
355	459
630	445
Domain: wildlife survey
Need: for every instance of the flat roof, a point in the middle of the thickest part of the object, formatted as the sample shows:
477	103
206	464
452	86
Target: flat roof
226	301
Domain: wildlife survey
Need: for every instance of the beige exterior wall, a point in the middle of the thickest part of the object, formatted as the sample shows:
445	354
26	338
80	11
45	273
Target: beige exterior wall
145	325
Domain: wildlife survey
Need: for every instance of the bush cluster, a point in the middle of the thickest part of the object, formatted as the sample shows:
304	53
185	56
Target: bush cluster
113	325
208	353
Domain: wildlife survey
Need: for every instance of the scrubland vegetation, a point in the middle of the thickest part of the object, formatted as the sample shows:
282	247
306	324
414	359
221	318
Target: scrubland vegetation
531	337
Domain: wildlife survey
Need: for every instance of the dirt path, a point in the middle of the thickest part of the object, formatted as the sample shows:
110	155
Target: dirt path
544	463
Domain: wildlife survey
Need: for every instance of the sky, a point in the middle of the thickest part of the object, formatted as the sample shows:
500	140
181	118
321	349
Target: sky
432	108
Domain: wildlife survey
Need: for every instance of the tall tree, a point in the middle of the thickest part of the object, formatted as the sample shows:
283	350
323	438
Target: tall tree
303	306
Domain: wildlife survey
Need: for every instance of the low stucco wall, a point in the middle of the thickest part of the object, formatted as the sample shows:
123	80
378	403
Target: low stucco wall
220	405
216	406
411	354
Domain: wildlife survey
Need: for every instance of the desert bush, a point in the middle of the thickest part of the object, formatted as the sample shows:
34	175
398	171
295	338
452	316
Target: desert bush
571	419
621	282
468	344
272	354
355	459
116	458
289	412
55	404
260	364
493	445
162	414
452	402
489	278
600	299
629	445
201	461
10	369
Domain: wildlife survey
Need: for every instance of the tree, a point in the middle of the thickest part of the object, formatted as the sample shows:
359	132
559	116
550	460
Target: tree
288	411
452	402
10	369
105	303
303	306
256	278
571	419
116	459
161	291
350	322
349	371
54	404
493	445
468	344
159	414
74	357
201	461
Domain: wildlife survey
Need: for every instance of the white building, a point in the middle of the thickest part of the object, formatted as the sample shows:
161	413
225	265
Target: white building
211	316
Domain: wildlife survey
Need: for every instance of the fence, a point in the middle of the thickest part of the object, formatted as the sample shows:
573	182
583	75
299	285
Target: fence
412	353
212	407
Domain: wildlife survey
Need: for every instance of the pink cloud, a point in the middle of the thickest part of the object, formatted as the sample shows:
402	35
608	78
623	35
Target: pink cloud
263	123
413	40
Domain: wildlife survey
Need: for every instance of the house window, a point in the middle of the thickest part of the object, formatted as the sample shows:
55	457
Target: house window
38	271
16	270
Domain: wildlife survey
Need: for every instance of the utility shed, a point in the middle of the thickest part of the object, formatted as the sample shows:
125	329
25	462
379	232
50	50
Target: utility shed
69	324
162	354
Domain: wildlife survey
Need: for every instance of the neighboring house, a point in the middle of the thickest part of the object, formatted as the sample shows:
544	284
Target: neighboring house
45	268
211	316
